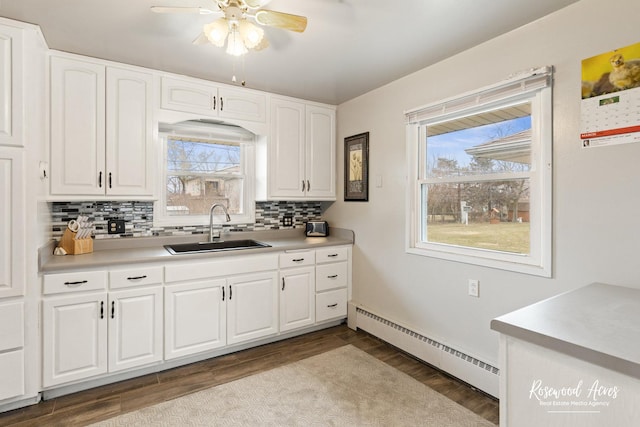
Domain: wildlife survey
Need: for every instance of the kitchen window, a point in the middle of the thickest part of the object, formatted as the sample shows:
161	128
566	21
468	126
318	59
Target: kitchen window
203	164
480	176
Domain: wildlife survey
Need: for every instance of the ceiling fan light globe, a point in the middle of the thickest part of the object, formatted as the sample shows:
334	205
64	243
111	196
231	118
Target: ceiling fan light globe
251	34
217	31
235	44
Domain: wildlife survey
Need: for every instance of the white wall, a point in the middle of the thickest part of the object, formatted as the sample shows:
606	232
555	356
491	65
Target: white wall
596	202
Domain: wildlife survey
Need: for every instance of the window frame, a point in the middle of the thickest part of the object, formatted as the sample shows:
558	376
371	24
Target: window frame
161	219
534	85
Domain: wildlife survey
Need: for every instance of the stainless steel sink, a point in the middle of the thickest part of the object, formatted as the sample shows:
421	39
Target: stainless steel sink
228	245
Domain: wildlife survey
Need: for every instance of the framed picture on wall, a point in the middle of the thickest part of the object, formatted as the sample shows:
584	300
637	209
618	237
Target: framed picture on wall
356	168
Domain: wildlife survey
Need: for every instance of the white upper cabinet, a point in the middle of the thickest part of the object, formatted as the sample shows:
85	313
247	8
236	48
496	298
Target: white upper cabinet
10	85
210	100
302	152
12	224
101	129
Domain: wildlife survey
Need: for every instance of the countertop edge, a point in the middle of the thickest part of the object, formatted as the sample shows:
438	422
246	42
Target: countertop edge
595	357
151	250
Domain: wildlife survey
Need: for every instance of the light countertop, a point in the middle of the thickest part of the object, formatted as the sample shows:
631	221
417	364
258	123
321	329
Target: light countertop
117	252
597	323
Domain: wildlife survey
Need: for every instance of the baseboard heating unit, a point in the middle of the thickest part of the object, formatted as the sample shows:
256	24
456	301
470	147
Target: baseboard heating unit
469	369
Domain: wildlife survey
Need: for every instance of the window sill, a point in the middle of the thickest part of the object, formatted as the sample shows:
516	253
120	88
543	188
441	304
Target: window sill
511	262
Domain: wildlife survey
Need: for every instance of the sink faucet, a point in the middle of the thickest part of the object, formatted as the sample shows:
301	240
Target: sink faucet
216	234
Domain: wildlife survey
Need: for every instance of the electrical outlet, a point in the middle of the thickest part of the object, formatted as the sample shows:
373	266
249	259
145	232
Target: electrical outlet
474	288
115	226
287	221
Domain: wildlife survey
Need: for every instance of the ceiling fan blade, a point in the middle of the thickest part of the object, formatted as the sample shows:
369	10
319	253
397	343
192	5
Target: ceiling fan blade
201	39
281	20
255	4
199	10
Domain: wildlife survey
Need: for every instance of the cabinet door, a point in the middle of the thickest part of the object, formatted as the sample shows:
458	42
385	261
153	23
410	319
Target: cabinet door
320	152
297	298
195	317
12	223
135	328
10	86
74	331
252	307
129	133
189	97
286	158
77	127
242	104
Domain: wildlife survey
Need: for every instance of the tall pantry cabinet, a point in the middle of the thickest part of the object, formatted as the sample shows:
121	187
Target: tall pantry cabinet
22	83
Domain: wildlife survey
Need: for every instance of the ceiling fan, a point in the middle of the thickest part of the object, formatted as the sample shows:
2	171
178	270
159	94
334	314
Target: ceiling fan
236	27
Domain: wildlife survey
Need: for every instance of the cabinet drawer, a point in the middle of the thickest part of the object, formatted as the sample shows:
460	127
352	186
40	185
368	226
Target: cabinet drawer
11	374
331	304
75	282
11	326
331	276
331	255
141	276
298	258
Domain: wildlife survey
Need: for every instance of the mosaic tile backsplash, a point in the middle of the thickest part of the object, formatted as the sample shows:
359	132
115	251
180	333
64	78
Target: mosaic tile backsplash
138	217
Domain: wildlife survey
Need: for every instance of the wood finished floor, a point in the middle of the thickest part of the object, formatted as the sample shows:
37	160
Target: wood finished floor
104	402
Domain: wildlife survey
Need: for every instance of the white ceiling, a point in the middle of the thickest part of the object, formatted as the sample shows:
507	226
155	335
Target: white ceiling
349	47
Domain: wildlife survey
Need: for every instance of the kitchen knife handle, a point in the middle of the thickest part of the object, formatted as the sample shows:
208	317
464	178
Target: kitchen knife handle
100	179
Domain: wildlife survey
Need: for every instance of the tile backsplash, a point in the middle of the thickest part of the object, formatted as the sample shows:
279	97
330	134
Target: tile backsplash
138	217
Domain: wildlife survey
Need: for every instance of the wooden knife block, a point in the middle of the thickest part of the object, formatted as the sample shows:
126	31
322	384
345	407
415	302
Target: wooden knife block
75	246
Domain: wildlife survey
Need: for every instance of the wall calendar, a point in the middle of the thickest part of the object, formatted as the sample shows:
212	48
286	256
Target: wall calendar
610	106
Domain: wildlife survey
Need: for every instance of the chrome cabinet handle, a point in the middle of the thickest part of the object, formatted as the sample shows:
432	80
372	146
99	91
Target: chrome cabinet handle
78	283
137	277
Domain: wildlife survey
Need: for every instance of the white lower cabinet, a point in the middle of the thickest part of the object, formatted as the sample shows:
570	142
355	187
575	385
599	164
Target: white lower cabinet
88	332
297	298
252	306
74	330
195	317
11	349
218	303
